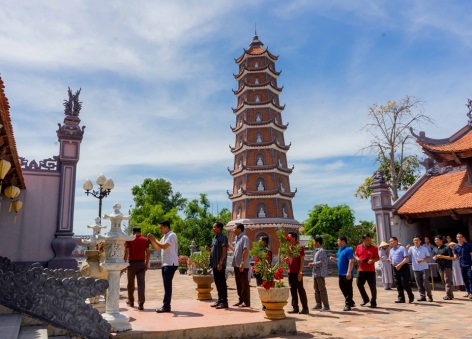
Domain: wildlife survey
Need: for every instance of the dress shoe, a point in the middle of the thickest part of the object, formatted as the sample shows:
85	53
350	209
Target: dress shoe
373	306
325	309
130	303
411	300
237	304
141	306
430	299
347	308
162	310
353	304
244	305
222	305
216	303
304	311
448	298
316	307
400	301
293	311
421	299
364	303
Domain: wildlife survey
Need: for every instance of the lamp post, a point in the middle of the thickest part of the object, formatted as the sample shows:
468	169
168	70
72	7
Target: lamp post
104	188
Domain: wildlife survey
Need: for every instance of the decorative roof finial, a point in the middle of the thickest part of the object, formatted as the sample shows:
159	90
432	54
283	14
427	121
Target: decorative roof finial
469	114
255	28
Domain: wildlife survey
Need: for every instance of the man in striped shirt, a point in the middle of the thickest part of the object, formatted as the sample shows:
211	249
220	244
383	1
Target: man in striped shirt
320	271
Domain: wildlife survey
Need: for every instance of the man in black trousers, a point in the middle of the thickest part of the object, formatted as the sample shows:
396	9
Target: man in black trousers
218	250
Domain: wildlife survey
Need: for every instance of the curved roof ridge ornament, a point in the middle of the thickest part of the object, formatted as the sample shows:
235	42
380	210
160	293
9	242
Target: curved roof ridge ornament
425	140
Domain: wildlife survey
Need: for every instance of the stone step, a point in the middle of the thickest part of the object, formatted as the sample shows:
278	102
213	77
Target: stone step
10	325
33	332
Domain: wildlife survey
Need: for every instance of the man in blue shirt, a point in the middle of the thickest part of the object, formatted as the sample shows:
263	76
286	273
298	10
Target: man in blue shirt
463	251
420	256
398	257
345	262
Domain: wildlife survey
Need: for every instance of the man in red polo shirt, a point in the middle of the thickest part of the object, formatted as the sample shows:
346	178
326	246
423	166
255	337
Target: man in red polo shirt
137	252
367	254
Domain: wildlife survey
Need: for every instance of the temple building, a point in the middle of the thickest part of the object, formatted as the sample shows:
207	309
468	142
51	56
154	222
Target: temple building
37	197
440	201
261	196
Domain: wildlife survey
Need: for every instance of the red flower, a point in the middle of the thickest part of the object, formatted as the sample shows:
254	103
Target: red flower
288	237
257	260
266	285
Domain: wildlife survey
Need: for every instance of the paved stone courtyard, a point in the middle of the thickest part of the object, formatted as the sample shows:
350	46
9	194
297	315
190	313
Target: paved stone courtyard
438	319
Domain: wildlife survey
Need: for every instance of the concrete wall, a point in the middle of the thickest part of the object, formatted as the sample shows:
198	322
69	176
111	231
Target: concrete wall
405	231
30	238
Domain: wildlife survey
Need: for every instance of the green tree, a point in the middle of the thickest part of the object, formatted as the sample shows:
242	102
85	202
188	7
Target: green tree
354	233
157	191
328	222
389	127
198	224
411	172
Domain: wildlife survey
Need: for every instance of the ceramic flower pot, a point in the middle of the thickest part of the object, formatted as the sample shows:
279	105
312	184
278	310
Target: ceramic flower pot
274	300
203	285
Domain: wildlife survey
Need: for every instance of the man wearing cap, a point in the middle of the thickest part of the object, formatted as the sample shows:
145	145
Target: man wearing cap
367	255
137	253
398	257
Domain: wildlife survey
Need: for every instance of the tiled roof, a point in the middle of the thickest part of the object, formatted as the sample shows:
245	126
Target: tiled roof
256	51
5	120
444	192
464	143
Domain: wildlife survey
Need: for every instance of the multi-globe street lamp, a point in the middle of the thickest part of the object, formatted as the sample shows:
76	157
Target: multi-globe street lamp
104	188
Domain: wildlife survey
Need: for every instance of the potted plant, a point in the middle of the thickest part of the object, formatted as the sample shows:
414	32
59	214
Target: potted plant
183	264
202	274
273	293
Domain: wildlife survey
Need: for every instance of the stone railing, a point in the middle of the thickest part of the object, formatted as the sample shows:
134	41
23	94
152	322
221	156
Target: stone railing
56	297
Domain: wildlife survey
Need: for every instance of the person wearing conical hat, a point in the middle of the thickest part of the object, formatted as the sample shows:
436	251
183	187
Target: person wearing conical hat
385	267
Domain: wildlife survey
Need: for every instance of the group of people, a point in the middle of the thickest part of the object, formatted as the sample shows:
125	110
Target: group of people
454	261
394	261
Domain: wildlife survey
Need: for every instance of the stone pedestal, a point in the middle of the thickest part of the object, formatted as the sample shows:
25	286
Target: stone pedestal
114	263
203	286
274	300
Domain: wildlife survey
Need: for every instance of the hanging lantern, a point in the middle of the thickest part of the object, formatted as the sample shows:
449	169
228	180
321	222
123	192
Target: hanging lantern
17	205
12	192
4	168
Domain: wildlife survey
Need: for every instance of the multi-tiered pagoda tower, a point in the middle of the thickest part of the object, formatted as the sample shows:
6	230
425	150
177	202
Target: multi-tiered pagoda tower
262	196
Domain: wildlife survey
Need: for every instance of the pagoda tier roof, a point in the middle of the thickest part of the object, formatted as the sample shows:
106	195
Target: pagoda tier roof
446	194
262	194
8	143
256	145
261	223
260	104
266	69
259	124
262	168
264	85
451	151
255	49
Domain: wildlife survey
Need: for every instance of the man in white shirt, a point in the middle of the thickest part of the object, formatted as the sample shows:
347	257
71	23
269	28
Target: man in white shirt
169	254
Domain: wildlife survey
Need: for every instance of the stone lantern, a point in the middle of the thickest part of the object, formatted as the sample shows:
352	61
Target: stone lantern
114	263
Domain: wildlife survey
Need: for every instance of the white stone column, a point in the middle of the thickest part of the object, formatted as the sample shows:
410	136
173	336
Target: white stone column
114	263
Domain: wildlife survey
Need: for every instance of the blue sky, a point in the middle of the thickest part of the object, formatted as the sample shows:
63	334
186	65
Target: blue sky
156	79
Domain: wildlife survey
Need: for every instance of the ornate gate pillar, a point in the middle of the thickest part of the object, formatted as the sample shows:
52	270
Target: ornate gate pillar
381	202
70	136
